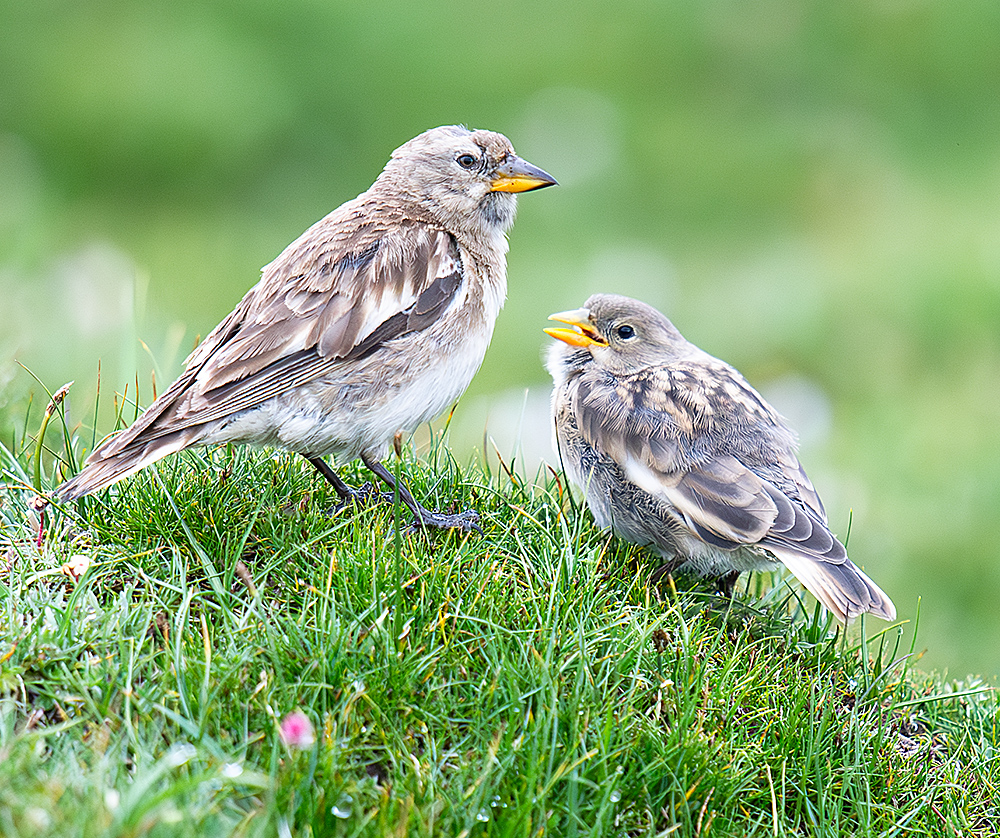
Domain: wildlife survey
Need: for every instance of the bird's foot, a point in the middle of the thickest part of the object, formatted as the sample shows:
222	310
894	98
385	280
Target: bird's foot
727	583
423	518
361	498
662	572
467	521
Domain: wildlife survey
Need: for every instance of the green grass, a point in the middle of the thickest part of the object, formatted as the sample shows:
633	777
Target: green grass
527	681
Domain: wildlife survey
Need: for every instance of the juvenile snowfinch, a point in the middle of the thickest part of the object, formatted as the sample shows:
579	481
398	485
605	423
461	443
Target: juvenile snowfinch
674	449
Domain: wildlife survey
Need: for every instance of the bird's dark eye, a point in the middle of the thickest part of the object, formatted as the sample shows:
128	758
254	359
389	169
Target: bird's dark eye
625	332
466	161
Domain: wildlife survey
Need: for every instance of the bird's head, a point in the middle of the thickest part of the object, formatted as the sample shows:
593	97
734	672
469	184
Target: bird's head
618	334
466	180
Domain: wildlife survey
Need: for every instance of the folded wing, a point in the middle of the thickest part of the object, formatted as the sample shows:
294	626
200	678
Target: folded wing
313	310
695	460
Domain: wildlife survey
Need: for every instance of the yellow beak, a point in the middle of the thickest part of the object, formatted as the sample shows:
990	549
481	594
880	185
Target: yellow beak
517	175
583	333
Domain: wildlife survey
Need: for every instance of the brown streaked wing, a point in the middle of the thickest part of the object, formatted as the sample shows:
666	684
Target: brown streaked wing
286	333
725	498
807	493
331	307
647	424
802	530
386	302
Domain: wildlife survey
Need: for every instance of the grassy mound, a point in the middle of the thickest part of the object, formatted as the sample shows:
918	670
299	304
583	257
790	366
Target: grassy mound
527	681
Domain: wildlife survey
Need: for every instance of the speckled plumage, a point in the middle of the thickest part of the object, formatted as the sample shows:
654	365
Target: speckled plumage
673	448
370	323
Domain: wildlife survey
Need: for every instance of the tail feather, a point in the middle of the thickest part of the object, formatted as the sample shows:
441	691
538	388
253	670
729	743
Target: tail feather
103	469
842	587
165	427
159	431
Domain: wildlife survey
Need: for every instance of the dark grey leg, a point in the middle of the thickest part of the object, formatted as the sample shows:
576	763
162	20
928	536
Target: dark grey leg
727	583
662	571
465	521
363	496
323	467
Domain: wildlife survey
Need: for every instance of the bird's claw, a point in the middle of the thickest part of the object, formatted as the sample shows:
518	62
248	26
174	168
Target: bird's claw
727	584
367	495
362	497
467	521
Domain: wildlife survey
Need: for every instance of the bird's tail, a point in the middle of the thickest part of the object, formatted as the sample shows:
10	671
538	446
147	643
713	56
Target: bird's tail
841	586
110	463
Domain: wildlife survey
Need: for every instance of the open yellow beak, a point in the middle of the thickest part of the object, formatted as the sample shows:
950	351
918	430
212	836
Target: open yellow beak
517	175
583	333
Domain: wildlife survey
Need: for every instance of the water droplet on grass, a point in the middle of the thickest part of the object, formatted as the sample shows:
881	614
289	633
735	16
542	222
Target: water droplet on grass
342	808
483	816
615	796
179	754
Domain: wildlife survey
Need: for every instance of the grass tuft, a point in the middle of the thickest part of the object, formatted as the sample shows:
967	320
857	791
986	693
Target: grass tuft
529	681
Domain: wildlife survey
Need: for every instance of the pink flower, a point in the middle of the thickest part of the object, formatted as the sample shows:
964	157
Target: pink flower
296	731
76	566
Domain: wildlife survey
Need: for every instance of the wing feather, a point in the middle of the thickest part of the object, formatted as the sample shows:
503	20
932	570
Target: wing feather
654	427
314	309
731	479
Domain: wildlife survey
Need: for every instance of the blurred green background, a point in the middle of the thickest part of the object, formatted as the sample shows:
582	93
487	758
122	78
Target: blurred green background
810	190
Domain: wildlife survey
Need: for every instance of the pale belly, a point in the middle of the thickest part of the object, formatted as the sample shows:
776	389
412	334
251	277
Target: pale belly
358	410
